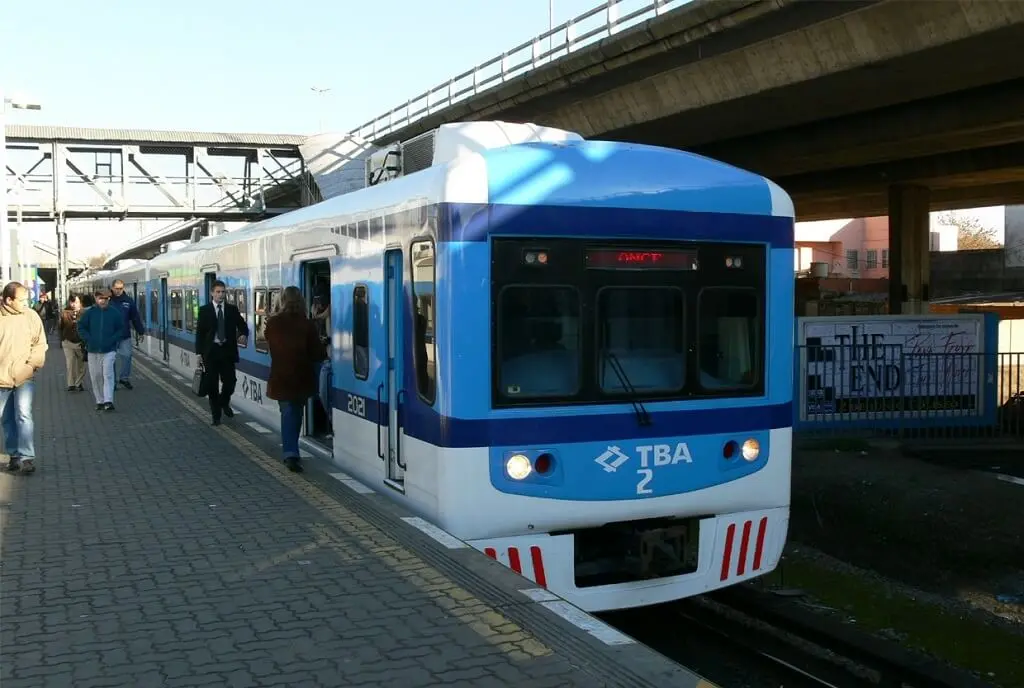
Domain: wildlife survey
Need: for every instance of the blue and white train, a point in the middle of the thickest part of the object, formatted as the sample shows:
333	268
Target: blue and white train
573	355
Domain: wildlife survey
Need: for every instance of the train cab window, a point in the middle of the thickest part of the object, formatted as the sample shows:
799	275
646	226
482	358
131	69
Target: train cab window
360	332
424	331
538	342
729	339
261	314
640	340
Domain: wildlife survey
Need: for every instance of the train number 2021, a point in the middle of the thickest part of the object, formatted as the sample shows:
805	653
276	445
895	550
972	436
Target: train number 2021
357	405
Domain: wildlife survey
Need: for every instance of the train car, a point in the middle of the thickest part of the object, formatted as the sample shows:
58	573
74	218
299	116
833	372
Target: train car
554	349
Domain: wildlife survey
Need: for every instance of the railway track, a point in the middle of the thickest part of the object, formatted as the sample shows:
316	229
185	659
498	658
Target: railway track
744	638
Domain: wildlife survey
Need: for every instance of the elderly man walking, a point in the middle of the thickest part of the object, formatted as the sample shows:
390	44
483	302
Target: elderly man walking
22	352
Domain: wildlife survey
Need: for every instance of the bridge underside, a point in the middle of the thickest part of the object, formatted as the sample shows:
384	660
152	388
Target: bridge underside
837	144
836	101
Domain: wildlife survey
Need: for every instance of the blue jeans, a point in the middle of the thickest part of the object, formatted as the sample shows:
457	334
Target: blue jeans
325	386
123	364
291	426
16	419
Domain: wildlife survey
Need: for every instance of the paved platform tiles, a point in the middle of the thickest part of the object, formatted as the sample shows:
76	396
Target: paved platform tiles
151	549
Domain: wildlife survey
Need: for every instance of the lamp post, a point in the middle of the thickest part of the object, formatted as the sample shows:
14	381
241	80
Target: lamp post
320	106
6	245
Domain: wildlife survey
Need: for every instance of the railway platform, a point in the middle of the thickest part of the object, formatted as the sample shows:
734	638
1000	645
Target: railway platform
150	549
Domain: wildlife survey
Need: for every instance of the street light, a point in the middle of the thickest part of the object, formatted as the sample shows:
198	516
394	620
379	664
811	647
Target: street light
6	245
320	108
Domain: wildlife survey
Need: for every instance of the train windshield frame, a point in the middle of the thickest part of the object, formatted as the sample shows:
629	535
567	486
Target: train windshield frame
583	321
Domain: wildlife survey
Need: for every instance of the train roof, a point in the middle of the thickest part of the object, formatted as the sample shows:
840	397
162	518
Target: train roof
574	173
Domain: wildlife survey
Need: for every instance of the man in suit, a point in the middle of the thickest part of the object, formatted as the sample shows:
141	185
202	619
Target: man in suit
219	332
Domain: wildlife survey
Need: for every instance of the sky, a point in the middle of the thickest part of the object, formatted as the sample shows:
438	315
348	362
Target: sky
249	66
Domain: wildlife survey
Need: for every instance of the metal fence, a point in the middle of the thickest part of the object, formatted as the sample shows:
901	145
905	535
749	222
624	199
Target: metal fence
889	391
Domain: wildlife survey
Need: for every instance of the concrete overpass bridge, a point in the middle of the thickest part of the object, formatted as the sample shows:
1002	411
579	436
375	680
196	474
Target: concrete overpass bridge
856	107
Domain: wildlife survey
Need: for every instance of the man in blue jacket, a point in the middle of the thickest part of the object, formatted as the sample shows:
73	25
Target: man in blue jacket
101	327
130	314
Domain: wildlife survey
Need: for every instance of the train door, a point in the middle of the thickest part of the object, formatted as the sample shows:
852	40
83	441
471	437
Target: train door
316	288
393	396
208	279
162	320
135	298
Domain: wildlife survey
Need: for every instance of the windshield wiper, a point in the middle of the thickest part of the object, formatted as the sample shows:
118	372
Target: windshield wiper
642	417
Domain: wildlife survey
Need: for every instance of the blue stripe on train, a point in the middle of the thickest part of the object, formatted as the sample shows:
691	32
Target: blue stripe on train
478	222
429	426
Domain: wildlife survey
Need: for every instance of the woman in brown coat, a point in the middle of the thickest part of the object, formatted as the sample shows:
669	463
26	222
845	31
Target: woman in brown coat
71	343
295	351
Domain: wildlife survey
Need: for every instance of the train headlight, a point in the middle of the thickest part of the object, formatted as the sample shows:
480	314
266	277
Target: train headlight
751	449
518	467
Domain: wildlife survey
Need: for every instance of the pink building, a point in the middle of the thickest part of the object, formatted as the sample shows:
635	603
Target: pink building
857	248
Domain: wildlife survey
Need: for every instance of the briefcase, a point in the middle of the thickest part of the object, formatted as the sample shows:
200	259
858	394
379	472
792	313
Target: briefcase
199	381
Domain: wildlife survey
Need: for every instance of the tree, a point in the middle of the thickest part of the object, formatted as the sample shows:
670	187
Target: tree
971	235
96	262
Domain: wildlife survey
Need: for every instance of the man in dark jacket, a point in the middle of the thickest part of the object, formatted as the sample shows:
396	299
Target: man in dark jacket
131	318
100	327
221	328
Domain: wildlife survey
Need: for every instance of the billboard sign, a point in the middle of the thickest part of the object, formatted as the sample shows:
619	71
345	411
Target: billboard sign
854	367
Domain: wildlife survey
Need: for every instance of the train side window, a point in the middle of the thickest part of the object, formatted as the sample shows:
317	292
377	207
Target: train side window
243	307
424	324
240	304
176	321
538	342
273	300
729	338
361	332
154	307
141	305
640	334
261	313
191	308
229	296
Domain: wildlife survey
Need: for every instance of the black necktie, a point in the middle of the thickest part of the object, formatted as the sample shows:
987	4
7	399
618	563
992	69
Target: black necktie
220	323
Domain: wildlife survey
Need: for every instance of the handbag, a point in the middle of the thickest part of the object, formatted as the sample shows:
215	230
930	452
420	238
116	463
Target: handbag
199	381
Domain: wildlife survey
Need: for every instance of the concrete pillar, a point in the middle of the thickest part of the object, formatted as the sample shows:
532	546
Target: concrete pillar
909	264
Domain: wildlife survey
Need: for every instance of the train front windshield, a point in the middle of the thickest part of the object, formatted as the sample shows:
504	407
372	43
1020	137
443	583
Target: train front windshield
580	321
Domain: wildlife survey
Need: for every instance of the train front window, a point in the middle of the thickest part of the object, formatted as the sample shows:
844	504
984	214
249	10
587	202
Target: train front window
640	332
538	342
728	342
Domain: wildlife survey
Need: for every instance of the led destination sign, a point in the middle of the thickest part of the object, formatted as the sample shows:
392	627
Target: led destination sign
641	259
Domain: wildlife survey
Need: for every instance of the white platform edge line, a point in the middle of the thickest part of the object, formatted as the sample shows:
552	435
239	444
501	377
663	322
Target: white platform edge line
352	483
577	617
446	539
258	428
1009	478
540	595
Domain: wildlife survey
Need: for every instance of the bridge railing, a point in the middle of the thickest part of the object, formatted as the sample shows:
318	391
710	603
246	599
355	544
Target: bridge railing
600	22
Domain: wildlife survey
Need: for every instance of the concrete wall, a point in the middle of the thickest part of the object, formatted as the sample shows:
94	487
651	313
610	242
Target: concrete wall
962	272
